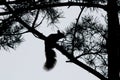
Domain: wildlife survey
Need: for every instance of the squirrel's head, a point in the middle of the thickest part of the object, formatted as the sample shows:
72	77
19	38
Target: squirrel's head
60	35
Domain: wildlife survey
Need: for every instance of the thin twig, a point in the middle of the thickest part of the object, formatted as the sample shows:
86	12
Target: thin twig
74	28
41	21
17	33
36	17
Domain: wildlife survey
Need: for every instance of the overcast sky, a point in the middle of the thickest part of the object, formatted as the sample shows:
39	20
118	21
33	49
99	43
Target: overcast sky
27	61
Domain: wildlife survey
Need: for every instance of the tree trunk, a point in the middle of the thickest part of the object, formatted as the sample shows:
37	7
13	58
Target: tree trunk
113	42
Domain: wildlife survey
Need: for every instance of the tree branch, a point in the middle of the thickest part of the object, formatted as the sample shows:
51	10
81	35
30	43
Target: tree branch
40	35
36	17
46	5
17	33
79	63
75	29
41	21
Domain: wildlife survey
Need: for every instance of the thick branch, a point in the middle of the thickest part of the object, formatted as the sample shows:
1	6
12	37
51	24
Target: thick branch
113	41
40	35
46	5
75	61
5	13
9	2
32	30
60	4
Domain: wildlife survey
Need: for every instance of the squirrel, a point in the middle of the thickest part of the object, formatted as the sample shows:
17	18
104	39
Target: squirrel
50	43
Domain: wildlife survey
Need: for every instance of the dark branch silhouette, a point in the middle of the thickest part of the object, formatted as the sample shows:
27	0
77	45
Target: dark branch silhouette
47	5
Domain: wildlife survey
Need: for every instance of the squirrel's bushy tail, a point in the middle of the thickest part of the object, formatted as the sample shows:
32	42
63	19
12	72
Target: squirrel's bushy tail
50	59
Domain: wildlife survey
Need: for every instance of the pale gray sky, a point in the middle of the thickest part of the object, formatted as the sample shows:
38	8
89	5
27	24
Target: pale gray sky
27	61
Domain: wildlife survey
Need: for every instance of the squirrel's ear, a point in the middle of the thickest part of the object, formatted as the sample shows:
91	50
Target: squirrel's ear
58	31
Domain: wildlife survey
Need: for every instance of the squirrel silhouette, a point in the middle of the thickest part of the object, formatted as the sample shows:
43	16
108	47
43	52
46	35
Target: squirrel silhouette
49	52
